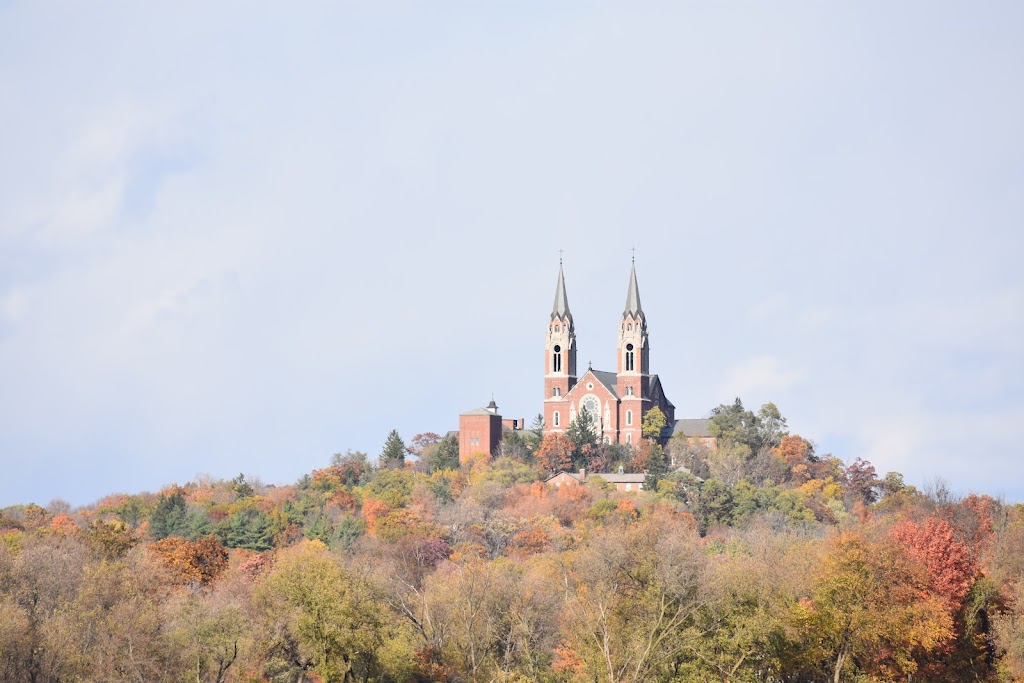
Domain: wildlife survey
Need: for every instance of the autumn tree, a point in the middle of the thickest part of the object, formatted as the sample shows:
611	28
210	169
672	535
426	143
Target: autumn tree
199	561
555	454
862	482
635	591
653	424
869	611
323	618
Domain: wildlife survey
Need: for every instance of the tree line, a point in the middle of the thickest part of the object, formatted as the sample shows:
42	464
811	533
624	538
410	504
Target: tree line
757	560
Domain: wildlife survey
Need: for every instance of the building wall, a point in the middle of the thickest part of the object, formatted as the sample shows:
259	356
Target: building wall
478	434
563	479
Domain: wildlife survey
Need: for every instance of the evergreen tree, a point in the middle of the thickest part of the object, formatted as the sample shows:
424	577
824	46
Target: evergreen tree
169	517
393	455
447	454
242	488
247	529
583	437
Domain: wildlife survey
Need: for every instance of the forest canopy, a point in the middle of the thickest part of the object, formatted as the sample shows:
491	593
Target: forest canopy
757	559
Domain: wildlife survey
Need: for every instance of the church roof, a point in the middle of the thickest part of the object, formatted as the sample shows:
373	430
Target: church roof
608	379
691	427
633	296
657	389
561	307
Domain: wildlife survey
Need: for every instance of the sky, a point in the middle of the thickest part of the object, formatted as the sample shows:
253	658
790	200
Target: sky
240	237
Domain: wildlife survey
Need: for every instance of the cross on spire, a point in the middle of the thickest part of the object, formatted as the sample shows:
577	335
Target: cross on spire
633	249
559	257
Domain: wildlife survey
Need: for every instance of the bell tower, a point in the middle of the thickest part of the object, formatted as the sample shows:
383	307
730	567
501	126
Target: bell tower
559	360
634	365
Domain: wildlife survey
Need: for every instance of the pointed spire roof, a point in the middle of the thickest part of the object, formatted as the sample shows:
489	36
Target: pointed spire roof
561	307
633	295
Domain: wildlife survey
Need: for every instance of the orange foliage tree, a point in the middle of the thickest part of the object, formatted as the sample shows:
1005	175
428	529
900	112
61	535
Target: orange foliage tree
555	453
200	561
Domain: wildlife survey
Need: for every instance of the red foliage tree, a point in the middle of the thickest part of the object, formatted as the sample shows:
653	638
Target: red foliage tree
951	566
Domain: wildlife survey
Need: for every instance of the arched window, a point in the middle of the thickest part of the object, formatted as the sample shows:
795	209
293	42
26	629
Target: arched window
556	359
629	357
629	327
556	328
629	417
629	391
629	438
556	391
556	418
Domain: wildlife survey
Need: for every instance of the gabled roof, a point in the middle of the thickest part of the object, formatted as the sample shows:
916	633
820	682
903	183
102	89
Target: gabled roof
608	379
633	296
656	389
561	307
691	427
616	478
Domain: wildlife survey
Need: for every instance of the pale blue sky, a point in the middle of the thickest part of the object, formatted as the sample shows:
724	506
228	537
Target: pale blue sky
241	238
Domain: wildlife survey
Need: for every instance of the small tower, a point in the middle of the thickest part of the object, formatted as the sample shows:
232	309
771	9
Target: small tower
559	359
634	364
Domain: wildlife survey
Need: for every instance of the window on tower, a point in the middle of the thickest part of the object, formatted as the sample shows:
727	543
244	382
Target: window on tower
629	417
556	359
556	391
556	418
629	391
629	357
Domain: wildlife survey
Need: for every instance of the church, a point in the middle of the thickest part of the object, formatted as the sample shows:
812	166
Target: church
616	402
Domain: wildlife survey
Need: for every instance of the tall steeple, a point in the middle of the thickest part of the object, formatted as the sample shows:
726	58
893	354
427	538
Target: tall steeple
561	308
633	296
559	359
634	346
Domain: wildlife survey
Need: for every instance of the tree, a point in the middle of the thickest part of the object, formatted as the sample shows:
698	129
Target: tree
736	424
421	442
869	611
555	453
862	482
393	455
199	561
323	618
350	467
248	529
771	426
635	591
447	455
242	488
654	422
583	437
169	517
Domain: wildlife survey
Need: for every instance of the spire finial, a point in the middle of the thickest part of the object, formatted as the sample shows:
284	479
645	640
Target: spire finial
559	257
633	249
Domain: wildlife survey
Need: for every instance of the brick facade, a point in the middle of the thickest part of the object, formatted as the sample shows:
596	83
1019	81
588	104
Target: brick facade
620	399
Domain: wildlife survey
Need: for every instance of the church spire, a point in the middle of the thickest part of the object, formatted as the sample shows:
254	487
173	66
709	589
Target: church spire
633	296
561	307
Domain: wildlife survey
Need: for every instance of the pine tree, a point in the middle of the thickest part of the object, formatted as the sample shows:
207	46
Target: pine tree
393	455
169	517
